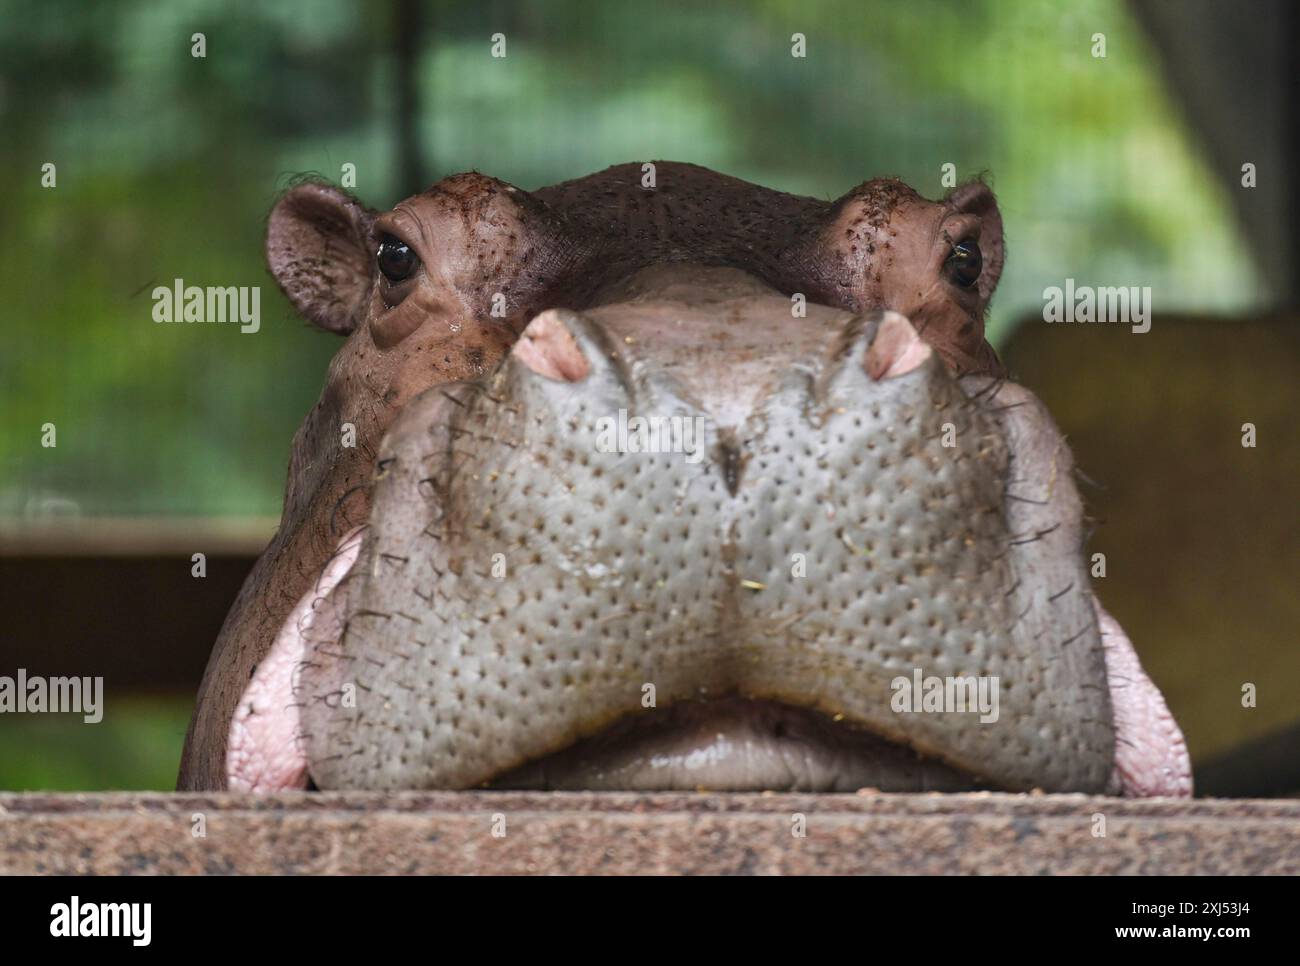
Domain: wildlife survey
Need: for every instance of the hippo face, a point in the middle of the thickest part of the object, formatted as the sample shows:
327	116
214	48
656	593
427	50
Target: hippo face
698	485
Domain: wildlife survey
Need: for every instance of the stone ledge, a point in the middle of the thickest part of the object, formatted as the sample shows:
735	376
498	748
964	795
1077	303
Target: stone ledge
451	832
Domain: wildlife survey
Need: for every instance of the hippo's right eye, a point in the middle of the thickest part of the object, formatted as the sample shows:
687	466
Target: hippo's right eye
397	260
965	263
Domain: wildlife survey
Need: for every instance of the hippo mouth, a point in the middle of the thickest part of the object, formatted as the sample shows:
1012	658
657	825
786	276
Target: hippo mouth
737	744
622	563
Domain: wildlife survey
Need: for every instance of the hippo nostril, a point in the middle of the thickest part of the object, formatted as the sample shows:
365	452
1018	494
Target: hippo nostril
897	348
548	348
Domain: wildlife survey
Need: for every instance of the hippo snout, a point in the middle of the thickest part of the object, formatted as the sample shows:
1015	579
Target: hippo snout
806	557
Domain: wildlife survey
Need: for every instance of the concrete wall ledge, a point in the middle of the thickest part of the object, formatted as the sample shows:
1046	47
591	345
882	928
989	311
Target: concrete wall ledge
555	832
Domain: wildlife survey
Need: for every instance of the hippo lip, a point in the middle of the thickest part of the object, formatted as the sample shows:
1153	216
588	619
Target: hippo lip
737	744
727	742
413	663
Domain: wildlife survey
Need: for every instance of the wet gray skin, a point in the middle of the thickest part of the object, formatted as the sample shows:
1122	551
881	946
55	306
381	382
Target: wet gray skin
521	593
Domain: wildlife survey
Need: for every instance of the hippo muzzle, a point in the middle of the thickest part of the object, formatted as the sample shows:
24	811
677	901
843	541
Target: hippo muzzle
683	536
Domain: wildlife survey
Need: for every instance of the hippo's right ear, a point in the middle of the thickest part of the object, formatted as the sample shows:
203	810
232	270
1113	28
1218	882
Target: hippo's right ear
318	249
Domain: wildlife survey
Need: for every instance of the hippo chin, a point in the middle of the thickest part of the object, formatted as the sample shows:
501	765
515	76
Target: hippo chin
694	486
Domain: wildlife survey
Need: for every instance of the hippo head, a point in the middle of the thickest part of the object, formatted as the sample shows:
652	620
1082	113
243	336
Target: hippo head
658	479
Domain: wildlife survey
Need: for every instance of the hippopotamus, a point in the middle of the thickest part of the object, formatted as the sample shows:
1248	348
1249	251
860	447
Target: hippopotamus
657	479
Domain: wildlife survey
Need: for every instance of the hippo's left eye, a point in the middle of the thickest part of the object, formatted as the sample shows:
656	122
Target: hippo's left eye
965	262
397	260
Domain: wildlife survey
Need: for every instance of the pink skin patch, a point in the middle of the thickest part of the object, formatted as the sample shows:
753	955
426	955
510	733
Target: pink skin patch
1150	753
549	349
265	751
896	349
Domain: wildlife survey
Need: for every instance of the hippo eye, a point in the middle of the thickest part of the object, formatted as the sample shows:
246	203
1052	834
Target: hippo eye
396	259
965	262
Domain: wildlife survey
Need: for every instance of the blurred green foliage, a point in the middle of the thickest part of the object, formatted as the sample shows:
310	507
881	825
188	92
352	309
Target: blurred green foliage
136	747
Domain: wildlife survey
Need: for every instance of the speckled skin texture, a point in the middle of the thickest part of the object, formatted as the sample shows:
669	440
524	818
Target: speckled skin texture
619	569
584	245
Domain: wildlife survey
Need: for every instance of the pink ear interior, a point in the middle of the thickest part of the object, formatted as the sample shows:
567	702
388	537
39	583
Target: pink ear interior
317	247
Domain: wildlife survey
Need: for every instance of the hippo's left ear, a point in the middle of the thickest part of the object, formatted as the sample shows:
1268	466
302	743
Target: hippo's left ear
975	198
318	249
